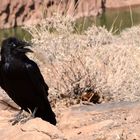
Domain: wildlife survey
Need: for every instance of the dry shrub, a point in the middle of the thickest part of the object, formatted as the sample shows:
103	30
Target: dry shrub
93	63
130	36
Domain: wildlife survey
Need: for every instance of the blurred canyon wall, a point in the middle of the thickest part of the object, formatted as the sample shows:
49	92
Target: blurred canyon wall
20	12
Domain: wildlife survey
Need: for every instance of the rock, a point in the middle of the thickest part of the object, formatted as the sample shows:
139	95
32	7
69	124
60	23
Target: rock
21	12
43	127
4	6
121	3
105	121
35	129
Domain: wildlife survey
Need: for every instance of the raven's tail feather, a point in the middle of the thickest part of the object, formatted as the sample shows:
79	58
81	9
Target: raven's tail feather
45	112
50	117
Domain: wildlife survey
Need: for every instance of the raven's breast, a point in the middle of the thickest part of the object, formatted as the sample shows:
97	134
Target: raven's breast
20	88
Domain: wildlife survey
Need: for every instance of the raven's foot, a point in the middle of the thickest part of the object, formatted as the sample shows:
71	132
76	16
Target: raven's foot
29	117
16	117
23	117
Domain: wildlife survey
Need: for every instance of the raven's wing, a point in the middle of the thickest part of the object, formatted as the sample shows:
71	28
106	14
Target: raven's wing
1	79
0	74
36	77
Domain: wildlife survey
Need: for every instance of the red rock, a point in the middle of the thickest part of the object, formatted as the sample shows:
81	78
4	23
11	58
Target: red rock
4	5
20	12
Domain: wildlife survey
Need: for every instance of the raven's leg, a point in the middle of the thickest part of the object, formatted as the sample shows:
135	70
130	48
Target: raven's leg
23	117
34	112
30	116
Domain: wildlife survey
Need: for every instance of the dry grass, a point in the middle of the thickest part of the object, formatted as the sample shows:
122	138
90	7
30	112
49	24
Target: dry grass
93	63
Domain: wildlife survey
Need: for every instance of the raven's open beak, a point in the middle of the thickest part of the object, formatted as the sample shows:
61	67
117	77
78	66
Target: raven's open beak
24	47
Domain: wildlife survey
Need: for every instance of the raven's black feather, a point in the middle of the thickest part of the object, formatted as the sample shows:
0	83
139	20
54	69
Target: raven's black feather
21	78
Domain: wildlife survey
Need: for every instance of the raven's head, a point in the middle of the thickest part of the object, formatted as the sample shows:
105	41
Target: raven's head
15	46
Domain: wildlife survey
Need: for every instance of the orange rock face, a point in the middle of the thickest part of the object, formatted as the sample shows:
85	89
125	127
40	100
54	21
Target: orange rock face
20	12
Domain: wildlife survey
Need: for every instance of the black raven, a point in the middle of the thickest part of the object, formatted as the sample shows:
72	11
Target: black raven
21	78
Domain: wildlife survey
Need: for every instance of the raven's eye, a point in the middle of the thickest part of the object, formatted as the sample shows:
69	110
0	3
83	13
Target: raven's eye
12	44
